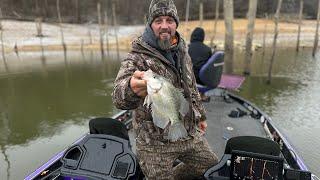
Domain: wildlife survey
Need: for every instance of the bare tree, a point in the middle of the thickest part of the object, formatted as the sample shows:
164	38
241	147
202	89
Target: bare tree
100	28
78	17
16	50
276	18
90	36
299	26
1	38
106	31
200	13
45	9
251	18
38	22
215	23
37	8
82	49
115	27
61	30
186	20
2	46
264	35
315	44
0	20
228	42
39	34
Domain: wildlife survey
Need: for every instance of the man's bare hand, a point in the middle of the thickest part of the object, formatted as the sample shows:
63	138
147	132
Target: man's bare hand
138	85
203	126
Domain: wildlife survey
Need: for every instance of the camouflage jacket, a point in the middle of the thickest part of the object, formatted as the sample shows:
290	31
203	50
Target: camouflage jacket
143	57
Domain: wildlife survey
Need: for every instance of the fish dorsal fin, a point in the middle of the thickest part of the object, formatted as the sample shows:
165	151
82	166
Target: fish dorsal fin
159	120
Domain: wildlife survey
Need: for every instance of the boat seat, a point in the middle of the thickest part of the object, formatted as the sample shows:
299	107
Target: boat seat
253	144
108	126
103	154
210	73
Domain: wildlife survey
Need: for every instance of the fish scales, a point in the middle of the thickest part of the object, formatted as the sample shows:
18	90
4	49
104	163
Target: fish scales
167	105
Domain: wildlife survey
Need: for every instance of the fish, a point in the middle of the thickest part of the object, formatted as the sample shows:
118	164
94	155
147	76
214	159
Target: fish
167	104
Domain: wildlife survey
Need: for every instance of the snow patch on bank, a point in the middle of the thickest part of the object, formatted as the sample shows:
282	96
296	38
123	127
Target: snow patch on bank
22	33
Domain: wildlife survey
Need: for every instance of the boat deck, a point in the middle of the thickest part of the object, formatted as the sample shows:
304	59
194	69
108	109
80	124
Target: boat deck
221	127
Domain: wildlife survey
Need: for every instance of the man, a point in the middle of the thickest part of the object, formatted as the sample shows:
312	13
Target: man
198	51
200	54
161	49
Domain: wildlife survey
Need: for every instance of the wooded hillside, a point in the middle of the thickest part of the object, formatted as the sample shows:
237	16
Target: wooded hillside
131	12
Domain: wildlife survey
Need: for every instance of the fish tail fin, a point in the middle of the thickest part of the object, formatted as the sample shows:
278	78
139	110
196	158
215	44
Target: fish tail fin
176	131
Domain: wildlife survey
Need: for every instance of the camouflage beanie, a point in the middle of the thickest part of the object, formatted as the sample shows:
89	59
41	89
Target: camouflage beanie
162	8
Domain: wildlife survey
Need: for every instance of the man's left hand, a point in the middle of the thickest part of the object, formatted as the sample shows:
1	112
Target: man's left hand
203	126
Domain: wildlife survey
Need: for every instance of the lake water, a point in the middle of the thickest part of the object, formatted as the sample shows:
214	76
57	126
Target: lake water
45	104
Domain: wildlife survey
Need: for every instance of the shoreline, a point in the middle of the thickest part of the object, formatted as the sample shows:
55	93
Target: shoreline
21	36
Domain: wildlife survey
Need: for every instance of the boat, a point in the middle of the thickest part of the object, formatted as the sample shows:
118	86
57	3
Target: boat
244	138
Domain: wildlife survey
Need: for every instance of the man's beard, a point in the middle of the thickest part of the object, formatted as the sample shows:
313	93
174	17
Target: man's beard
164	43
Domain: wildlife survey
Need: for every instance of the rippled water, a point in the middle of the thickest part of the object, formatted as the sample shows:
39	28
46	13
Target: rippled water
45	104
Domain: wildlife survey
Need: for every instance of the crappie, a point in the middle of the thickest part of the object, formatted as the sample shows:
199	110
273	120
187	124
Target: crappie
167	102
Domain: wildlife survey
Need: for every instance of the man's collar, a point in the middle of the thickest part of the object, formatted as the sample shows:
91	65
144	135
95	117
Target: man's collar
174	40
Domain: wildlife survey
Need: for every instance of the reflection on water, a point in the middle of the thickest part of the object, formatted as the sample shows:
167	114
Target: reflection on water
46	102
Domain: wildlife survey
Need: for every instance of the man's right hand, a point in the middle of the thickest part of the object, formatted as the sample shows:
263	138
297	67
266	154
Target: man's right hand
138	85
